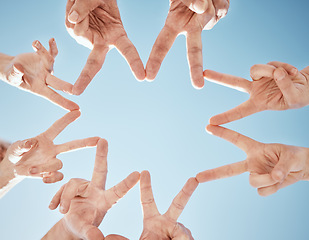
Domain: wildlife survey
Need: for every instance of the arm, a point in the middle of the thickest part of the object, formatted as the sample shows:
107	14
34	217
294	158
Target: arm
59	229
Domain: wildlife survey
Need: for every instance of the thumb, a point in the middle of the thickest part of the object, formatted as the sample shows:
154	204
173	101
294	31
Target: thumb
282	169
16	74
17	149
198	6
81	9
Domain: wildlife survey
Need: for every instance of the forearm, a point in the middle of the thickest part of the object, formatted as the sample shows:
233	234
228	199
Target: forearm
4	62
59	231
7	177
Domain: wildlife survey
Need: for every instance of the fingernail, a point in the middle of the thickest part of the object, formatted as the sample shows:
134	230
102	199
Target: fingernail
37	44
198	7
280	75
33	170
73	17
47	180
51	204
294	71
62	209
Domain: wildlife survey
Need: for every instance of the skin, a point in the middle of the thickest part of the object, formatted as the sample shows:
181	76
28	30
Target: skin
275	86
181	19
37	157
33	72
271	166
85	203
97	25
157	226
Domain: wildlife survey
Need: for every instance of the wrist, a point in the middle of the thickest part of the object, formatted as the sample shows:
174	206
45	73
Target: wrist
5	60
60	231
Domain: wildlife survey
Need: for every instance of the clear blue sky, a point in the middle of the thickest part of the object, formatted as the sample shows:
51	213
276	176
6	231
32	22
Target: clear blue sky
159	126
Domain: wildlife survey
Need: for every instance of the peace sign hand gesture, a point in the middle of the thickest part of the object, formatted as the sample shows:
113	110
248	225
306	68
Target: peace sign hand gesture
97	25
271	166
33	72
275	86
157	226
86	203
181	19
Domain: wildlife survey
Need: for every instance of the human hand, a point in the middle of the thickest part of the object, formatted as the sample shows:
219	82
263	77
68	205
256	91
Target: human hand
271	166
86	203
96	24
33	72
200	6
275	86
36	157
181	19
157	226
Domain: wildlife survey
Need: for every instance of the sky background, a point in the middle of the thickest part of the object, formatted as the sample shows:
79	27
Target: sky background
160	126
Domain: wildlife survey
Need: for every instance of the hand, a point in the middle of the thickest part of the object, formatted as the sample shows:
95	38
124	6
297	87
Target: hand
97	25
200	6
33	72
181	19
276	86
86	203
157	226
36	157
271	166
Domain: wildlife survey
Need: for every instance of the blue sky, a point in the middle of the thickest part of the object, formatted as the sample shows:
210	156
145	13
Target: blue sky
160	126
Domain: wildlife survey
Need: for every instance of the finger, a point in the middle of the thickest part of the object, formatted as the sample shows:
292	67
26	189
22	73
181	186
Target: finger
77	144
19	148
221	7
181	200
127	49
100	166
81	28
287	67
92	232
93	65
287	87
226	171
51	166
243	110
198	6
59	100
195	58
291	179
115	237
68	193
53	49
15	76
80	9
59	84
259	71
159	50
261	180
118	191
44	54
231	81
53	177
67	11
56	199
61	124
239	140
149	206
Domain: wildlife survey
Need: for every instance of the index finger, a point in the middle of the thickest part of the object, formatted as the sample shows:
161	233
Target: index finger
61	124
226	171
198	6
100	166
181	200
239	140
93	65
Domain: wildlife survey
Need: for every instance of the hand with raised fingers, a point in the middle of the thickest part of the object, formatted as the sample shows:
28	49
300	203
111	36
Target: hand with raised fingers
181	19
271	166
96	24
85	203
37	157
157	226
275	86
33	72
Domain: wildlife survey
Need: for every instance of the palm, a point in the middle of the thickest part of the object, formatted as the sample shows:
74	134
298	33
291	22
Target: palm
33	72
101	30
164	227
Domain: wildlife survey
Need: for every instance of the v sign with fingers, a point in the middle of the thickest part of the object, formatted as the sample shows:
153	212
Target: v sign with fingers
36	157
275	86
163	227
33	72
271	166
181	19
85	203
97	25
